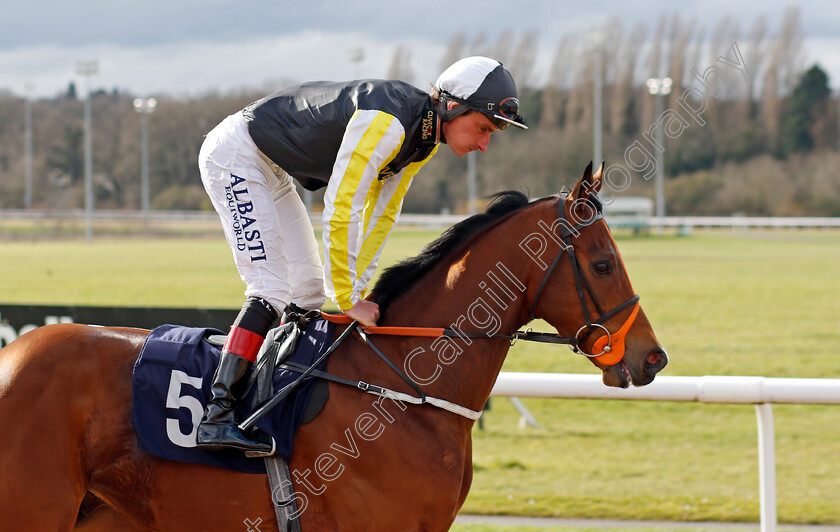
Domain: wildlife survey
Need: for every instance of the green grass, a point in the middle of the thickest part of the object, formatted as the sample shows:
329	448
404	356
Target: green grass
757	303
497	528
722	303
137	271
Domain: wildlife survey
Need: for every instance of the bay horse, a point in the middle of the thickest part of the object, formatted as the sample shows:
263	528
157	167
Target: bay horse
68	454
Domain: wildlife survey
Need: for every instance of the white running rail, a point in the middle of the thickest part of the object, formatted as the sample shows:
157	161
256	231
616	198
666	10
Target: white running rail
760	391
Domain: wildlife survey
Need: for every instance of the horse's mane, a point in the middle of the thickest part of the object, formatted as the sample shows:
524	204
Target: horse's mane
398	278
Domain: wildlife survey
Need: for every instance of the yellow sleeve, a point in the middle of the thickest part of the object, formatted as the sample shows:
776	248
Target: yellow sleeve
371	140
382	211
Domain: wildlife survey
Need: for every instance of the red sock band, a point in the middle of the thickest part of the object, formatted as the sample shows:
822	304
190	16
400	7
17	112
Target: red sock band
244	343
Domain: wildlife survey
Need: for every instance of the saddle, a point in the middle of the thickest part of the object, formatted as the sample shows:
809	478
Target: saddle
174	372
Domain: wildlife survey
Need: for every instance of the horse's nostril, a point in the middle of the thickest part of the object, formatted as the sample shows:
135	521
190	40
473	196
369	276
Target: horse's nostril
656	358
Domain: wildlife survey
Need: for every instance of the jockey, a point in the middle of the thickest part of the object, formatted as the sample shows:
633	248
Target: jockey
365	141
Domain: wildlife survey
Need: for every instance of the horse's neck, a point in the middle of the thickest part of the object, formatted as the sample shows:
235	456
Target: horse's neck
478	290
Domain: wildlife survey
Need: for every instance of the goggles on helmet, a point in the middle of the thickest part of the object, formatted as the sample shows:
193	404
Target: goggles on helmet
502	114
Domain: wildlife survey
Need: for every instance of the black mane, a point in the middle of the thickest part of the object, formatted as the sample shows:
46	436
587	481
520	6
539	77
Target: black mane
398	278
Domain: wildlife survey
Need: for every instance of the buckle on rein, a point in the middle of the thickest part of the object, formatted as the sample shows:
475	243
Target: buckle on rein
519	334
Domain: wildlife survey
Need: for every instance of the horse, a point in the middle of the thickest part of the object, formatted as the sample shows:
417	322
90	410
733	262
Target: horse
69	455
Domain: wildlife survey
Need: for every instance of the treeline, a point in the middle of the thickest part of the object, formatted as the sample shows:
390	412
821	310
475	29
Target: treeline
749	127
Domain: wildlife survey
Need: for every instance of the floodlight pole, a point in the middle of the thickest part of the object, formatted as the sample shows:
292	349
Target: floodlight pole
596	44
472	200
27	142
144	106
659	87
356	54
87	69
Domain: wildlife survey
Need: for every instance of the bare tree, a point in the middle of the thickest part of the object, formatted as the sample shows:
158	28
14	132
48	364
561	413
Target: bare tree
754	56
627	58
695	60
579	104
722	86
454	50
523	59
479	45
654	67
771	111
400	67
780	73
790	51
501	50
610	44
557	82
681	35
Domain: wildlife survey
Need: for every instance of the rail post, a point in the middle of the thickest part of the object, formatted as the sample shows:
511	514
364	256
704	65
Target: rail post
766	466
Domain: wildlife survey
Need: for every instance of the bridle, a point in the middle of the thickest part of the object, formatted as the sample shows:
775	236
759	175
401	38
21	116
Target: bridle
609	347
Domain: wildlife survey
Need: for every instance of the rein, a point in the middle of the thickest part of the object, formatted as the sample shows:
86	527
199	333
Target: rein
609	348
445	332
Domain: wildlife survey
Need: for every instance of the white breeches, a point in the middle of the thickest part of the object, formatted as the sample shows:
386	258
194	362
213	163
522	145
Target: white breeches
264	220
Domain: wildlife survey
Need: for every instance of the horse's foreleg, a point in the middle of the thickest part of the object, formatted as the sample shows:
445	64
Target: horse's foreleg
466	480
42	481
58	415
98	517
39	491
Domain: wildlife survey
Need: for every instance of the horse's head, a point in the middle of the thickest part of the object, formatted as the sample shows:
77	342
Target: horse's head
586	293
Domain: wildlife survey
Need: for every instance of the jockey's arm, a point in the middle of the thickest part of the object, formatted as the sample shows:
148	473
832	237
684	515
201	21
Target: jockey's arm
353	208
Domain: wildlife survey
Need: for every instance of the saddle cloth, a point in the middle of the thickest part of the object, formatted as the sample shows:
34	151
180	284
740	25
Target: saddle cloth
171	384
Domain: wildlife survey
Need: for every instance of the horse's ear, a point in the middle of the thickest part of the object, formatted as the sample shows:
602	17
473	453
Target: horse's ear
599	175
589	184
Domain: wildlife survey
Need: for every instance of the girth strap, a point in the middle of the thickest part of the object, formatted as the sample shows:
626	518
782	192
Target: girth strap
282	494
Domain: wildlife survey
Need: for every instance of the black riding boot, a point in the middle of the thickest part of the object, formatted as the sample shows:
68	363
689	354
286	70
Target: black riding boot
218	428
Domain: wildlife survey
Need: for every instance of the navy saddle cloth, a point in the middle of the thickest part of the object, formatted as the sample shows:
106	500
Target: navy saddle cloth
171	383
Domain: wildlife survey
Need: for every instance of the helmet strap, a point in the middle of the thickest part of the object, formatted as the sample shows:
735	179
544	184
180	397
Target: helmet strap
447	114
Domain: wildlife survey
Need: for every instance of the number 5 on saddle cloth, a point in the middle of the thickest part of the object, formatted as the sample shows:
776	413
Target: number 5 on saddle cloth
174	372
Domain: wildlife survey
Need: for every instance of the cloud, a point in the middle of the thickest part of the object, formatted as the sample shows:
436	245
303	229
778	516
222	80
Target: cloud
192	46
137	23
192	68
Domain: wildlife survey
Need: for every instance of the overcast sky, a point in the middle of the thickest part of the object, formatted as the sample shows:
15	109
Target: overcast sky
186	47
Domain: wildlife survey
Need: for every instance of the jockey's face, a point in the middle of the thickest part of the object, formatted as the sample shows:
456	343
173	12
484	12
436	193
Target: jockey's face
468	132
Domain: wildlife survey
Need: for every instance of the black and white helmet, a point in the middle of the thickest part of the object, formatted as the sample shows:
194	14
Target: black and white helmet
480	84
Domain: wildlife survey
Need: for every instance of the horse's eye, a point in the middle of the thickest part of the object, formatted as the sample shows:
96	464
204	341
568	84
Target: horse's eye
602	267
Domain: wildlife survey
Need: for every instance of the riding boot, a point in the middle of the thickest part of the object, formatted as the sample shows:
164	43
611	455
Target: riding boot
218	428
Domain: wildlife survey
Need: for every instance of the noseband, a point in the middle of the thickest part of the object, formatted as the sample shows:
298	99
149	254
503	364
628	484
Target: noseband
609	348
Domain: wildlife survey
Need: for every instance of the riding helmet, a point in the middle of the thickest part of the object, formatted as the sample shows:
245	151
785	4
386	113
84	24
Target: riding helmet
480	84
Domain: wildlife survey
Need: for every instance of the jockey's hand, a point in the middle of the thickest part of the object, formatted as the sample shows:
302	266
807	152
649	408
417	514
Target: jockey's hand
366	312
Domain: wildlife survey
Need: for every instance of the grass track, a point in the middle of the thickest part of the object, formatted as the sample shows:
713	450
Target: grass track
722	303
